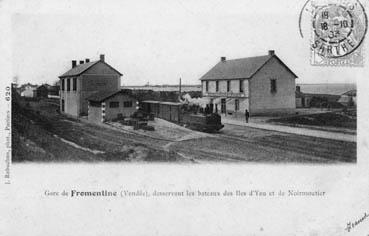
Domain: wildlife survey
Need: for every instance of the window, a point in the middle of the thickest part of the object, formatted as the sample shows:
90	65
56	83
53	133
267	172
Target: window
217	86
207	86
241	86
236	104
68	84
127	104
74	84
228	85
223	105
63	105
62	84
113	104
273	85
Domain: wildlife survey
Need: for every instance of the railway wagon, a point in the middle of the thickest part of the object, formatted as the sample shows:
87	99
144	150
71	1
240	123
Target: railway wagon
174	112
166	110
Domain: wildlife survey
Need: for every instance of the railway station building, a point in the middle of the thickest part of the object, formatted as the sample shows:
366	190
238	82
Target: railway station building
106	106
261	84
83	80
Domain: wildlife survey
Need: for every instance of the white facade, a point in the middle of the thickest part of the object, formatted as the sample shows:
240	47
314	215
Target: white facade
271	89
229	98
29	91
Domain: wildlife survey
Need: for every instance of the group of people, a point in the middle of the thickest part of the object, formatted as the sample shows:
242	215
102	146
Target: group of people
208	110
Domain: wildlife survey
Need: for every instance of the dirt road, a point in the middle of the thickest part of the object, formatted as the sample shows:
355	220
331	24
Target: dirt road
236	143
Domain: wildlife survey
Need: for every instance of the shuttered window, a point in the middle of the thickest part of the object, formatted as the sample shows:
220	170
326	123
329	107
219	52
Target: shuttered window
74	84
273	85
241	86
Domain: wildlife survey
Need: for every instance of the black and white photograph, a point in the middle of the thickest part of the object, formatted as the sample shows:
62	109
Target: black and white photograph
225	112
152	98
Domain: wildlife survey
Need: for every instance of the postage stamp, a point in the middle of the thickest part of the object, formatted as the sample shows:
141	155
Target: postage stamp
338	29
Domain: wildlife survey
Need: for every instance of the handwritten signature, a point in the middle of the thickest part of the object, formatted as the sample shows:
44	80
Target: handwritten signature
351	225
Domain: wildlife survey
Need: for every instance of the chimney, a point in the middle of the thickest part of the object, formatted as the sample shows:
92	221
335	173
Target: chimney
102	57
298	89
74	63
271	52
223	59
87	60
81	62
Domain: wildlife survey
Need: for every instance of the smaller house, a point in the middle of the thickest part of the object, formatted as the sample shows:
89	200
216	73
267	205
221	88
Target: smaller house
28	90
107	105
42	91
348	99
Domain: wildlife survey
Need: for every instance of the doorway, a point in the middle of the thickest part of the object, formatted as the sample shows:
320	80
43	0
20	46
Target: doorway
223	105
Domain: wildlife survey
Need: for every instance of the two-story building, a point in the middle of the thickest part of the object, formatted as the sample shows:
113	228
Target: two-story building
83	80
261	84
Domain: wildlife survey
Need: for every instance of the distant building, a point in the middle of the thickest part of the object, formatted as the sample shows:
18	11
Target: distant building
262	84
28	90
302	99
307	100
83	80
104	105
42	91
348	99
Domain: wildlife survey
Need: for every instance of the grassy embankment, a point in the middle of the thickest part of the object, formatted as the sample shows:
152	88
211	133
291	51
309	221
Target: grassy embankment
38	130
345	120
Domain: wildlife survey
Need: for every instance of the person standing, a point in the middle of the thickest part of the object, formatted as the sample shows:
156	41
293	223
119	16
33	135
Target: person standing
247	115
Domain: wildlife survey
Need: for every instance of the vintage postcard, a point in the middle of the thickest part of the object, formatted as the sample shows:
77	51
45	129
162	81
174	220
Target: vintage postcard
184	117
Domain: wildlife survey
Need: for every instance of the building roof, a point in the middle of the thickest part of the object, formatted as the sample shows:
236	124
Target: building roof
243	68
161	102
42	86
54	88
345	99
150	101
350	93
103	95
28	85
79	69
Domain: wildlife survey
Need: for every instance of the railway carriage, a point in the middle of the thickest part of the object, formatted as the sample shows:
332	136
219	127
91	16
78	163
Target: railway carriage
176	112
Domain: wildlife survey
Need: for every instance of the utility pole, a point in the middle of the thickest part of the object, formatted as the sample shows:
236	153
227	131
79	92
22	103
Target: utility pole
180	86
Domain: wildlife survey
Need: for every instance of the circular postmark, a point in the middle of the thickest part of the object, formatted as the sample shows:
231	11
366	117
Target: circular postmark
333	24
338	28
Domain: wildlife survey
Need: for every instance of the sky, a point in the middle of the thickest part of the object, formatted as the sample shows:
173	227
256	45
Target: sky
160	41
